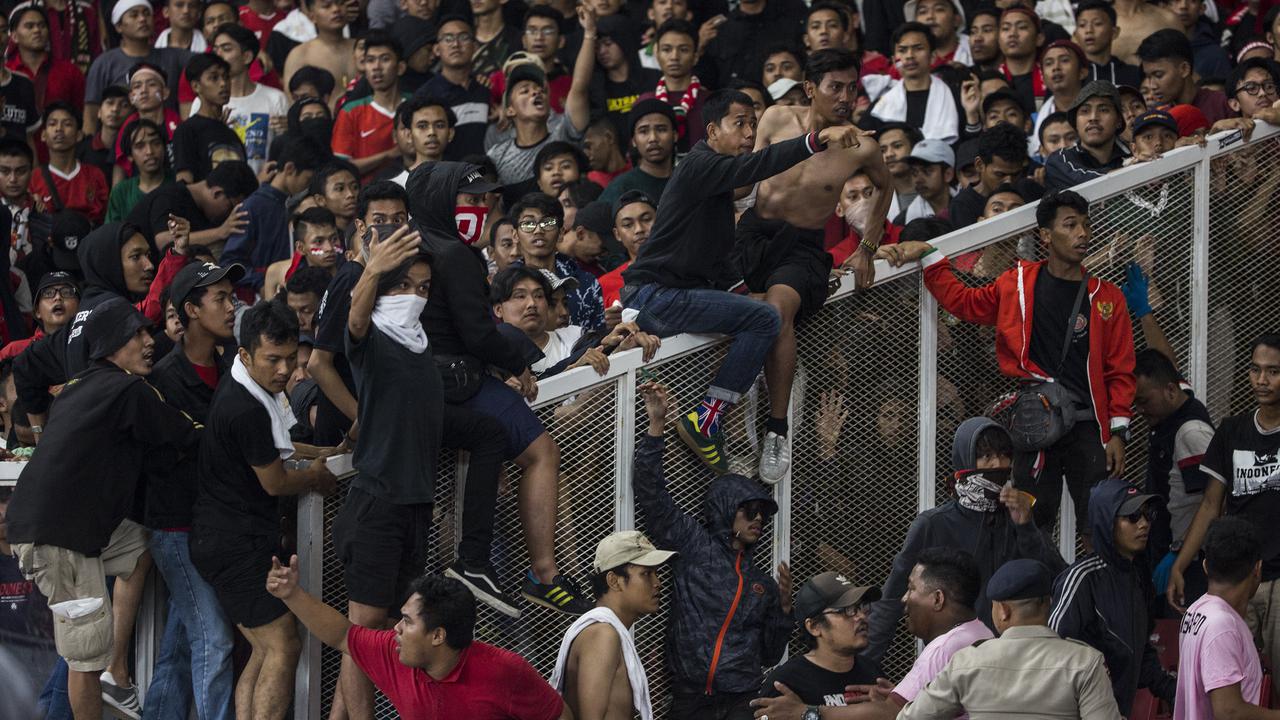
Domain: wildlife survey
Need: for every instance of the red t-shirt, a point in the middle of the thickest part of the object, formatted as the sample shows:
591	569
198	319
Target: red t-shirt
83	190
261	26
611	284
55	80
208	374
364	128
840	240
488	683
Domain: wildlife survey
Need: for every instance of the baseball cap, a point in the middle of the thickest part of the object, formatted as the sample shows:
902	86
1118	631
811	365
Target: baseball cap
1153	118
413	33
934	152
831	590
649	106
1095	89
1190	119
630	197
53	279
909	10
595	216
67	228
781	87
1133	501
475	183
198	274
1001	94
524	71
111	325
966	153
557	282
1021	579
628	547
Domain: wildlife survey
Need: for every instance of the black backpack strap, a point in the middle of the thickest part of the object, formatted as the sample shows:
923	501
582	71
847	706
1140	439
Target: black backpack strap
57	198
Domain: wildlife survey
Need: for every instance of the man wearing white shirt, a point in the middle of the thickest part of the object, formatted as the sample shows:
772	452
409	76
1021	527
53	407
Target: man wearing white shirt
257	112
933	174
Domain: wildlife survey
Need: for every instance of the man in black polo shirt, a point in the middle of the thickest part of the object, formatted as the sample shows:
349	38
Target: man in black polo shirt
68	519
235	527
187	377
1098	119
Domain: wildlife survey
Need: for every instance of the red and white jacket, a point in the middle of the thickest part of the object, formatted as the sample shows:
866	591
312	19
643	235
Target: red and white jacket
1007	304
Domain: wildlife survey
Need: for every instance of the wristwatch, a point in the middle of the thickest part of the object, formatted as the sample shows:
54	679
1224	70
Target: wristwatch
811	713
37	429
1122	433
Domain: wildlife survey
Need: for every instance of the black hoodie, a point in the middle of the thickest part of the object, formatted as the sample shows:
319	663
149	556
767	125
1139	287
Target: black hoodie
53	359
1102	600
458	319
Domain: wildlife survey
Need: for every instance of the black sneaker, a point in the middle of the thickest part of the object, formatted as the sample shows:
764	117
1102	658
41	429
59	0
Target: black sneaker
485	587
121	702
561	594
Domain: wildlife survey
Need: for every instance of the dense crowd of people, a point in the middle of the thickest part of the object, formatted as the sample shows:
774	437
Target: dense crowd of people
247	237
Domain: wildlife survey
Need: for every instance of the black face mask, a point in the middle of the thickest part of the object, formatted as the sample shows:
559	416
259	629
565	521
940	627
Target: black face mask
319	129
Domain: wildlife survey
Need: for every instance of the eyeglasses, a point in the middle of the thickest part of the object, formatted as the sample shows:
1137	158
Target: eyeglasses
1255	89
1146	511
455	39
543	32
756	507
861	608
545	223
65	292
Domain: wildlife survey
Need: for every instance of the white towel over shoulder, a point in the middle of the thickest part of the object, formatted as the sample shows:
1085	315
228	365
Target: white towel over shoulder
941	121
277	407
635	670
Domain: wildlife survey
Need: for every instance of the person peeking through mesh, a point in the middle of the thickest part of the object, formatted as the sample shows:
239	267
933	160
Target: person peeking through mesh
988	518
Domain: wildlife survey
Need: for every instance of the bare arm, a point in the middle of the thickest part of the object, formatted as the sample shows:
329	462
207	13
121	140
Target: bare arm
91	116
1209	510
1228	704
278	480
576	105
599	653
385	256
326	376
185	176
327	624
1156	340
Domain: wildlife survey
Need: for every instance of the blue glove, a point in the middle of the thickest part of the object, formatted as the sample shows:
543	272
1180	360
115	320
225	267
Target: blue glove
1135	290
1161	575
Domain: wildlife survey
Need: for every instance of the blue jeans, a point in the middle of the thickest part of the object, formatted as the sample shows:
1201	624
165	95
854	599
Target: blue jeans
54	702
195	654
752	324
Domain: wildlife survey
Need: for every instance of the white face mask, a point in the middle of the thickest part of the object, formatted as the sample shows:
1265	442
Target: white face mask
400	317
857	214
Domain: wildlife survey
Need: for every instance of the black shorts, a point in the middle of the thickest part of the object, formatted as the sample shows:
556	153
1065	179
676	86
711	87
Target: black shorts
774	252
498	401
236	566
382	546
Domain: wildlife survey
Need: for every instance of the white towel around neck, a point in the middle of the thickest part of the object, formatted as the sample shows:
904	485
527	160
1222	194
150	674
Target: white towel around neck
277	407
941	121
635	670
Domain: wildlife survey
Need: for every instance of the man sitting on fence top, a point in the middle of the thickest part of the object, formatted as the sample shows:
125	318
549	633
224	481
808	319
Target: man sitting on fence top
677	279
429	666
1053	323
728	616
988	518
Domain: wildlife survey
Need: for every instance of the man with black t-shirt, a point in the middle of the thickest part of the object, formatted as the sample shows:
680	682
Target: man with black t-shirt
186	377
204	141
834	615
235	528
1079	336
1244	460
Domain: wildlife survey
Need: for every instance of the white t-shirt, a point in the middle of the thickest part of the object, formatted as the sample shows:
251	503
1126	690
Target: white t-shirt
560	343
251	119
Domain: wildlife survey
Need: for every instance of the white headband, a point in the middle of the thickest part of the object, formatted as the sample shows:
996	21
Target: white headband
125	6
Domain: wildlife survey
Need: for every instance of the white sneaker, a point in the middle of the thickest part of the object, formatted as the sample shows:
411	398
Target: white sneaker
775	458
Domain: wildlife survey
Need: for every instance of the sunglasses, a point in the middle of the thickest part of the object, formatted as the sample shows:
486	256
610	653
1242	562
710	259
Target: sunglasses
756	507
543	224
1146	511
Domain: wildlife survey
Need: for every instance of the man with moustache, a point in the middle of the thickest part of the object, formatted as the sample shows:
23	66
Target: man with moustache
780	241
598	669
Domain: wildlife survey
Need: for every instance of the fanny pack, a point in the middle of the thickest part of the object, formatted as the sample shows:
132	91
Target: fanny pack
460	377
1038	414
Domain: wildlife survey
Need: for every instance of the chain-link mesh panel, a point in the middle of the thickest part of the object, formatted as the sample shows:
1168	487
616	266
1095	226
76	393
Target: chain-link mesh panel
855	463
1244	264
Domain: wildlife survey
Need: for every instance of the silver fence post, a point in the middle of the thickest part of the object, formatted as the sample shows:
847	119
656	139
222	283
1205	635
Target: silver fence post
624	500
927	413
306	684
1198	356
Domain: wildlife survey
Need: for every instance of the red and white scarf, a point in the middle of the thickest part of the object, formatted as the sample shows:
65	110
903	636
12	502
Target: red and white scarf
686	101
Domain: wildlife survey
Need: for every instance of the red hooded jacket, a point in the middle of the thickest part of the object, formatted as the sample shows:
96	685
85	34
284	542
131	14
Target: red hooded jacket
1007	304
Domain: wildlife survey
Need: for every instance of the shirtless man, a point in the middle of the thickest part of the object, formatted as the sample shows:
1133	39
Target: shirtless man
779	243
591	672
1138	19
329	50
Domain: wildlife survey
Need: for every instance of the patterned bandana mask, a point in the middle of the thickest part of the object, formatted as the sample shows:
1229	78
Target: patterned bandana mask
979	490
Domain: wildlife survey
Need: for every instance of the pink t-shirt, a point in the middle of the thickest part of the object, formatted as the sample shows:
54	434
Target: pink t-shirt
937	654
1215	649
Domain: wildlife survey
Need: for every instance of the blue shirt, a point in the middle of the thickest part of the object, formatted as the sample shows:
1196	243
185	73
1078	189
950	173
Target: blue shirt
265	240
